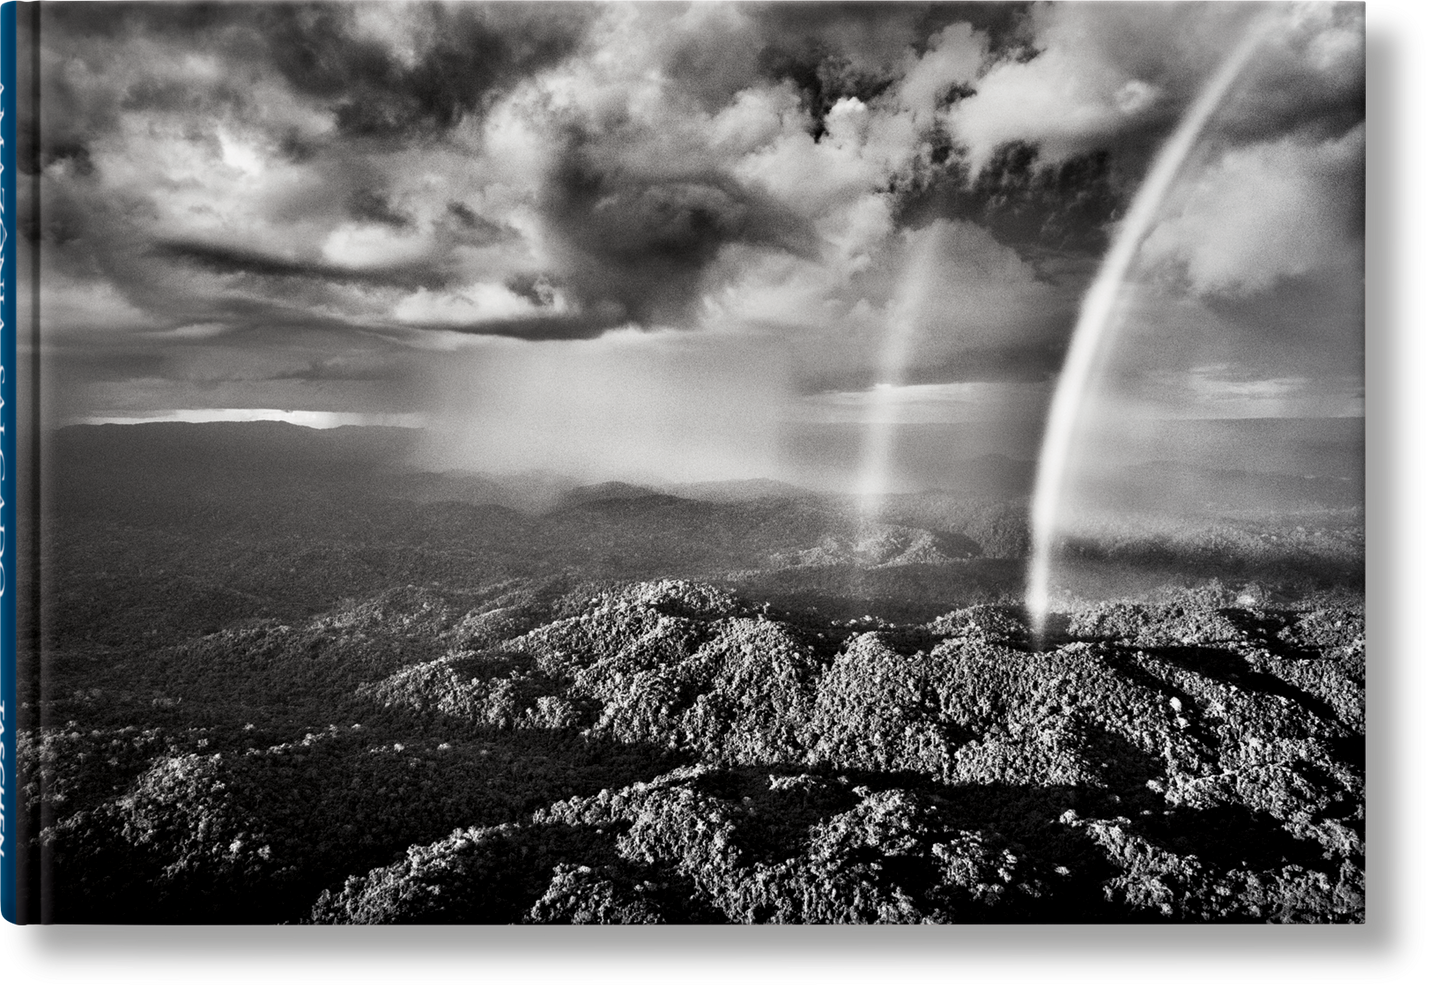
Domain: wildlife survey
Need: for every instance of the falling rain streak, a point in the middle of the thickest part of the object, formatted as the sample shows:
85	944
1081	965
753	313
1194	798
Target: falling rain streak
876	469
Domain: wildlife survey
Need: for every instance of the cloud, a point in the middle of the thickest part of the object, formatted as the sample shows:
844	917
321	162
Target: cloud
92	309
527	311
1116	75
480	303
375	207
353	269
639	243
477	227
371	246
1264	212
350	368
1308	79
248	204
955	56
1039	208
946	302
386	72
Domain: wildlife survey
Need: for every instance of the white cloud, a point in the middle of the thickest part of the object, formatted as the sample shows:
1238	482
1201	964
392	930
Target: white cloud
862	147
240	155
369	245
755	117
1111	70
1261	213
955	56
1092	77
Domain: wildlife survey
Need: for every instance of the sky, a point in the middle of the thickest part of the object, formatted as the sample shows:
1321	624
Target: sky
659	240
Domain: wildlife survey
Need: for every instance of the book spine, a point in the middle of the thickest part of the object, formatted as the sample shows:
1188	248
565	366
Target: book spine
9	707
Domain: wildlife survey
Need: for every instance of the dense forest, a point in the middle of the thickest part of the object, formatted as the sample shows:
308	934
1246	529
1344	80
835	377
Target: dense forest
283	678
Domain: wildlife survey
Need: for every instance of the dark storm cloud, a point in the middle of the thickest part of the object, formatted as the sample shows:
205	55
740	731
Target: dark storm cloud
562	327
1103	86
79	109
468	55
61	149
374	207
189	362
539	290
265	323
828	51
465	55
117	366
859	29
1037	209
639	245
823	79
831	52
71	121
114	21
1290	95
339	370
172	96
391	77
233	261
479	229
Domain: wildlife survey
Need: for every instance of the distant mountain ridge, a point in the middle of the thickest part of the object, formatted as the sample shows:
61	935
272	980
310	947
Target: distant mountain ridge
284	482
729	491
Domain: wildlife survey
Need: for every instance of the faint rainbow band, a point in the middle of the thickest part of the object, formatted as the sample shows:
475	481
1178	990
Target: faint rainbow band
1091	332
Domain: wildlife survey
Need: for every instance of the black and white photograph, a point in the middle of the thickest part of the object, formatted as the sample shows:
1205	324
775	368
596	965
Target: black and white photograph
692	463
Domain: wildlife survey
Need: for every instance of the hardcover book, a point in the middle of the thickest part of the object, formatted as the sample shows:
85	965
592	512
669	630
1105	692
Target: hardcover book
682	463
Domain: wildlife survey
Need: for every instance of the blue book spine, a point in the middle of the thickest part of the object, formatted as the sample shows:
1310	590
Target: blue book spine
9	707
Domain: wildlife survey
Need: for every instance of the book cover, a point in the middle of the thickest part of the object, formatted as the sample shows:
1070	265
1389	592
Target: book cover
683	463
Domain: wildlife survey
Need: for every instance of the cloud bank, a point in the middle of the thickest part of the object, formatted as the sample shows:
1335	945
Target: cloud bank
371	207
